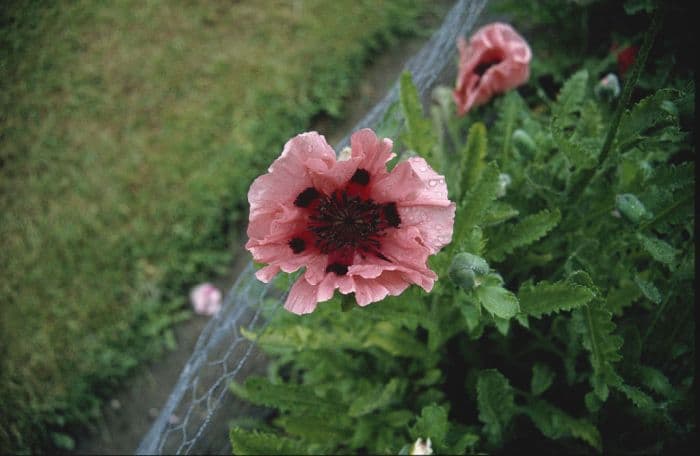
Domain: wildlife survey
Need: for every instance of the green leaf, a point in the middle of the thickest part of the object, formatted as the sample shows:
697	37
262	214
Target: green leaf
379	397
498	213
594	323
542	378
649	121
637	396
286	396
565	112
432	424
635	6
648	289
478	199
545	298
317	429
555	424
473	157
256	442
660	250
525	232
496	402
510	108
496	299
656	381
419	134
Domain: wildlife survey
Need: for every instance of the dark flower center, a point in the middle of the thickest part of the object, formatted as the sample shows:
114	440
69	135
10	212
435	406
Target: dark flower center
344	223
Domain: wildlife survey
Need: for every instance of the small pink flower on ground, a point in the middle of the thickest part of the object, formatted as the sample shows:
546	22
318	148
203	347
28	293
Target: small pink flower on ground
495	60
421	448
206	299
353	225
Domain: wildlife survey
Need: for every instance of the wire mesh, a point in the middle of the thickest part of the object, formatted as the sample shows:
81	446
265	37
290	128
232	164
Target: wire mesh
195	417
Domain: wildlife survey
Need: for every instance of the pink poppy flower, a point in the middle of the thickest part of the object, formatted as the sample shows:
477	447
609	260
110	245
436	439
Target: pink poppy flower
353	225
496	59
205	299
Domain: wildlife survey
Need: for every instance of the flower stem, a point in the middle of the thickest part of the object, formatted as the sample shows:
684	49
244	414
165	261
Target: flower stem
624	100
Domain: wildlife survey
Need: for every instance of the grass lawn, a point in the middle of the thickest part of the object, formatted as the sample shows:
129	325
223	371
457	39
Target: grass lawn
129	134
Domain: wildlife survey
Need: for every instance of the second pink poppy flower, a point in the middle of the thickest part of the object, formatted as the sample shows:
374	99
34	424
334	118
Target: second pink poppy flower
495	60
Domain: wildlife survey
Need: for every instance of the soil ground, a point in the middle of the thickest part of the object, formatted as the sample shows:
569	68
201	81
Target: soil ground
130	413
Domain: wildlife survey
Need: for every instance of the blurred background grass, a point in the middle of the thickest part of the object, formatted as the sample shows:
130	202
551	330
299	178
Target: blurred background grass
129	134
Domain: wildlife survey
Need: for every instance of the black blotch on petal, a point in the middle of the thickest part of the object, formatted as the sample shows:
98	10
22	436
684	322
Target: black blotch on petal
297	245
391	214
360	177
339	269
484	66
305	198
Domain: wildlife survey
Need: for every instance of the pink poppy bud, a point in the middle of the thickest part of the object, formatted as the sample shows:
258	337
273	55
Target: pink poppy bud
206	299
495	60
625	59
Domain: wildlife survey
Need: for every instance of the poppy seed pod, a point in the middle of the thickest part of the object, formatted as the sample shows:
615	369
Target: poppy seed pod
466	270
631	208
608	88
523	143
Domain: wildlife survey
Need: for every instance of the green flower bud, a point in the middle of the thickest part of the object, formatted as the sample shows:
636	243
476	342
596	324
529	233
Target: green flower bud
467	270
504	180
607	88
523	143
631	208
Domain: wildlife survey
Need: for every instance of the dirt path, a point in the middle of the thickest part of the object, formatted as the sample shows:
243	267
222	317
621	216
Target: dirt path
130	413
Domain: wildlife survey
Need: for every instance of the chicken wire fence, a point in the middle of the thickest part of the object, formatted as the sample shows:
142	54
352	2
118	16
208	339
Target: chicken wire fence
196	415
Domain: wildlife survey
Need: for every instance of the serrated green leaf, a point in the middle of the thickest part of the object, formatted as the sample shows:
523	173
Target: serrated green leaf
496	299
656	381
554	423
286	396
545	298
510	107
542	378
528	230
637	396
473	157
659	250
432	424
377	398
649	121
648	289
256	442
419	134
478	199
317	429
496	401
499	212
570	100
502	325
594	323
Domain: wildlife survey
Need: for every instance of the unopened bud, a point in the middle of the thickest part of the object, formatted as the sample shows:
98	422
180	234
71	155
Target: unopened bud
608	88
631	208
523	143
467	270
504	181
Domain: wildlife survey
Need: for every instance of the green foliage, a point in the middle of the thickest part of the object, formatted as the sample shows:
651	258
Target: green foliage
255	442
523	233
419	135
545	298
496	402
473	157
595	349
